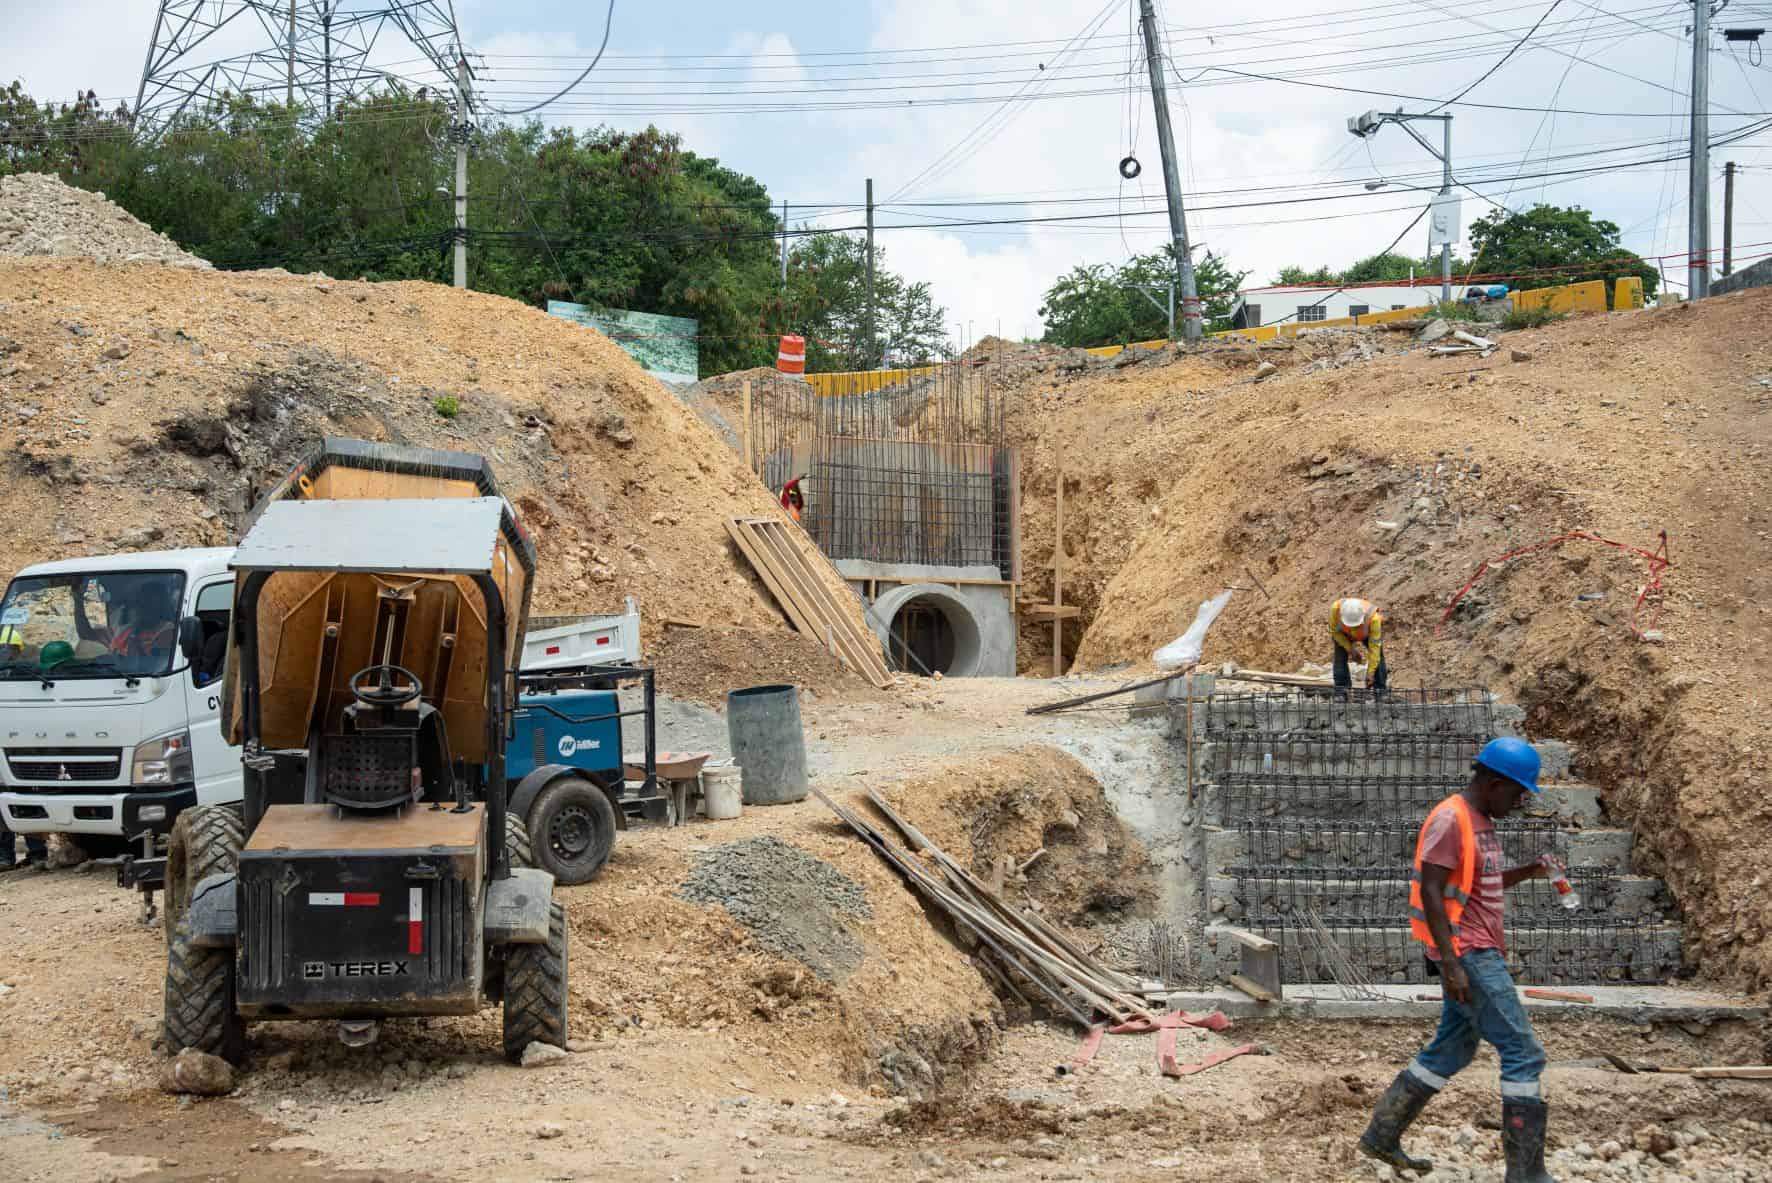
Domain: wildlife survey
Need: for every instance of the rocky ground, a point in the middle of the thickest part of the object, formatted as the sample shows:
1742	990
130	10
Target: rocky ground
762	999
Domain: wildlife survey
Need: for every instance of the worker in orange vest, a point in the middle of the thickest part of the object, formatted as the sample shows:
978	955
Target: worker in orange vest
1356	622
1455	911
792	499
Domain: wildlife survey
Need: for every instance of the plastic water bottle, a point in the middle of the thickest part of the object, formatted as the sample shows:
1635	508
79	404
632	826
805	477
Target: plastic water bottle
1267	763
1559	880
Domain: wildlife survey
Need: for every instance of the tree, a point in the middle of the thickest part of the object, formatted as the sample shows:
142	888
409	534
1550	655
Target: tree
1549	245
826	302
1104	304
1298	277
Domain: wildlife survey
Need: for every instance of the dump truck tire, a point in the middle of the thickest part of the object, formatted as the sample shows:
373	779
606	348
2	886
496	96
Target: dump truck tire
535	990
205	840
200	1000
572	828
517	849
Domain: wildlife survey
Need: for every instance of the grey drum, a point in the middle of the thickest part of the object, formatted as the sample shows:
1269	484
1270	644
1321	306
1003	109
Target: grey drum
763	726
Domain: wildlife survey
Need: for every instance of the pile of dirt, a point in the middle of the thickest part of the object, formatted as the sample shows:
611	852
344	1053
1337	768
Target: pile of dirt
155	421
1395	476
41	216
794	904
703	664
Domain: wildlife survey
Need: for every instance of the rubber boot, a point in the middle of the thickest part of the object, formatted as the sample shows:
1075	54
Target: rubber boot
1522	1138
1401	1104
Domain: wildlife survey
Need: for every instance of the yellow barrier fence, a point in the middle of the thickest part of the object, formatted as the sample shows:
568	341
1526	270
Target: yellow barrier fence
1627	293
1575	297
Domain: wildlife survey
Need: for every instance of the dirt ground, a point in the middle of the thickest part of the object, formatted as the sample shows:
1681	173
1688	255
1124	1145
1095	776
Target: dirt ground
705	1056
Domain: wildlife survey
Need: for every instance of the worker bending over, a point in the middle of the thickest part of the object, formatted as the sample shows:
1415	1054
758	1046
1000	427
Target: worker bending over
1455	905
1358	622
792	499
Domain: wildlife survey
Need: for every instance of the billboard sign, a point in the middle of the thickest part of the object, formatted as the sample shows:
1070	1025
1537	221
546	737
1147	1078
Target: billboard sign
665	346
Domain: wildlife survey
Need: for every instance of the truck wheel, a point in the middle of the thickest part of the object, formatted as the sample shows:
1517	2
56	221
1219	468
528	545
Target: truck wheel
205	840
535	990
573	828
200	1000
517	849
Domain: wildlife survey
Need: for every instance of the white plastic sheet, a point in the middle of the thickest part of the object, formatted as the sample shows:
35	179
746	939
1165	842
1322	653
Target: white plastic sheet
1185	649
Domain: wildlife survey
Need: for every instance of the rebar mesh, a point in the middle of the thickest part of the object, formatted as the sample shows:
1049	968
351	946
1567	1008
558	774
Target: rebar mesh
1331	798
1585	950
1331	842
1247	757
1365	897
914	472
1424	712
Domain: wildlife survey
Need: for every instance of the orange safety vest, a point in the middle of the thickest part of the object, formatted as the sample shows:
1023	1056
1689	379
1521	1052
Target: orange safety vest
1458	884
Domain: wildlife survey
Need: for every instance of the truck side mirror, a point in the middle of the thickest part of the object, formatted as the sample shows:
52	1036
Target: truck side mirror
190	639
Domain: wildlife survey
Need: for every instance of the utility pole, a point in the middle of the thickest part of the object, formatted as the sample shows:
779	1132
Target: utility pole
784	242
1698	195
1364	126
870	310
459	133
1728	217
1184	261
289	92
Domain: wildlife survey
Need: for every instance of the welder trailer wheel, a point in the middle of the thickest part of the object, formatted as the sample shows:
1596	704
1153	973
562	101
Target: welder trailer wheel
572	829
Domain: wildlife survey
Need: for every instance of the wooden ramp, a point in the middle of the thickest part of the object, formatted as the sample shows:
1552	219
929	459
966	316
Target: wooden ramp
784	557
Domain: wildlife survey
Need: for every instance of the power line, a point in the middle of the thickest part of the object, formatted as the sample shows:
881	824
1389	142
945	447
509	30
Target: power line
1486	74
608	24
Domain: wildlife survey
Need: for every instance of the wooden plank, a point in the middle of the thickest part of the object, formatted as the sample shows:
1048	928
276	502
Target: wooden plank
772	578
775	554
1250	940
1014	516
770	536
1052	611
1557	995
1058	579
750	461
791	546
1253	989
1742	1072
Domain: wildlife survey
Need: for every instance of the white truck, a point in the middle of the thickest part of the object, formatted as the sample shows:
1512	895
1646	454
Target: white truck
110	692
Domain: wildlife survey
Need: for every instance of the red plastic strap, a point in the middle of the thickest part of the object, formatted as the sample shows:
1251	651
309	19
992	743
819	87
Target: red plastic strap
1658	562
1170	1068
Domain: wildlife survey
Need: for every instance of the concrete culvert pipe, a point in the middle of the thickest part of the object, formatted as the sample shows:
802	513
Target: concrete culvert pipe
935	626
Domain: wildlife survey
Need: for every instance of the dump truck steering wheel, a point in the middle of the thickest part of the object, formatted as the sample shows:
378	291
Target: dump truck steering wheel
385	693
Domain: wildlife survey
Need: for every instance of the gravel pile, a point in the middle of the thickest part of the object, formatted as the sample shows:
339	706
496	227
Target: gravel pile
41	216
790	901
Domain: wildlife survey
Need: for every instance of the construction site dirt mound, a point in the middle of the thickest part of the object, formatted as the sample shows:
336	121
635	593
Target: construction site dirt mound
41	216
153	419
705	664
1394	473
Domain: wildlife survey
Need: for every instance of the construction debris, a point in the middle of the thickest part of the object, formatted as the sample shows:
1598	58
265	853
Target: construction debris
1026	955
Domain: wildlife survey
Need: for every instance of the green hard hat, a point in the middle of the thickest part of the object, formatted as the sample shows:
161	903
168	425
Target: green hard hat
54	654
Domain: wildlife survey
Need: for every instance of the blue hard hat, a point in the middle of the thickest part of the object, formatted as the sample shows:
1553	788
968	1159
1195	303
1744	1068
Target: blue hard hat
1512	758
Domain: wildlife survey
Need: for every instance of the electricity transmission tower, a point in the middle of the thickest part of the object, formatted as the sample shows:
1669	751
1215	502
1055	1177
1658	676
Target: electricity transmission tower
315	52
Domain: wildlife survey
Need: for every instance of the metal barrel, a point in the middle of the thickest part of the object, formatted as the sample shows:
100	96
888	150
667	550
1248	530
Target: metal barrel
763	727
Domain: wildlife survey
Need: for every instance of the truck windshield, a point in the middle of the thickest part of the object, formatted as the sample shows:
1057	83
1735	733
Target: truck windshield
91	624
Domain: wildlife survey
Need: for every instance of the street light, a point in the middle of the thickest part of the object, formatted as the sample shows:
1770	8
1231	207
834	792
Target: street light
1444	216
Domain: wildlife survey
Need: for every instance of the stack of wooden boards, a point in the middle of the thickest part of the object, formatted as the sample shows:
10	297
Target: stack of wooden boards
1033	960
788	564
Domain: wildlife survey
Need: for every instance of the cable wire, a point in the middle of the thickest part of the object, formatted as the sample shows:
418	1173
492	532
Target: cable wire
608	24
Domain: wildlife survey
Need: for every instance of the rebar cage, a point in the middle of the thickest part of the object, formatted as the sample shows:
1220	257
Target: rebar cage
1426	712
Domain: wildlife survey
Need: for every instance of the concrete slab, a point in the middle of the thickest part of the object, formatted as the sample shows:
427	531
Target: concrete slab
1639	1004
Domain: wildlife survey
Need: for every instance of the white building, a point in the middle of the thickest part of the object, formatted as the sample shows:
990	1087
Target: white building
1266	306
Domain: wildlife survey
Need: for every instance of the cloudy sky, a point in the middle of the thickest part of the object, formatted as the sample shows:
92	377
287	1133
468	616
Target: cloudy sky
1020	110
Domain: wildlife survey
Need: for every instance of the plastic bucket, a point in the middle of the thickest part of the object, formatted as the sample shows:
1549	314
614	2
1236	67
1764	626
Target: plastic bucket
763	727
722	792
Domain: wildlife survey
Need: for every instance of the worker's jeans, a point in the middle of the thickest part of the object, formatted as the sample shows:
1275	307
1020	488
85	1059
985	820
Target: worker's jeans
1494	1013
1344	680
35	846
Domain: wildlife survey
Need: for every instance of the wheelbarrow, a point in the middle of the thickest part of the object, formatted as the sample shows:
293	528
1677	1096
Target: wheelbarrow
678	772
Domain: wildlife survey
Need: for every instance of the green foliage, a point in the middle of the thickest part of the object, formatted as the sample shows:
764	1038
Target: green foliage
1529	318
1549	245
1298	277
1449	310
605	218
1385	267
827	298
447	405
1101	304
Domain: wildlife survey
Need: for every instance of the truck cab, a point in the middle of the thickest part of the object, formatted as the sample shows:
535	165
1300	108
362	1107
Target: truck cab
107	728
